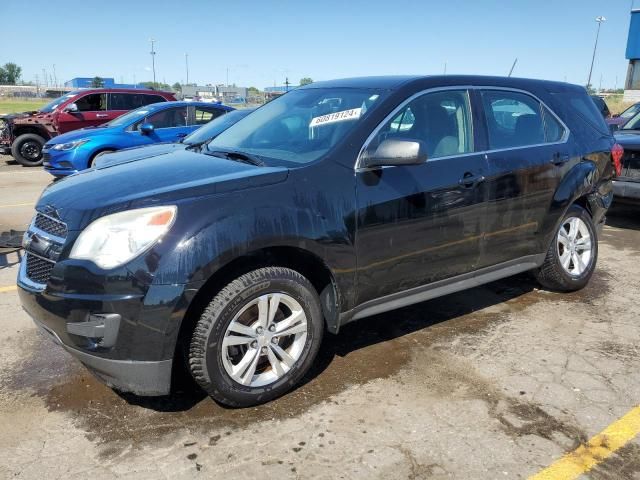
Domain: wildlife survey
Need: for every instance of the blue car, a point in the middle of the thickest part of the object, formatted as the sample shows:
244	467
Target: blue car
156	123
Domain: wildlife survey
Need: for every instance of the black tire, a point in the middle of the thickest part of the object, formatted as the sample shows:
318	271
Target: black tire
92	162
552	275
205	350
27	149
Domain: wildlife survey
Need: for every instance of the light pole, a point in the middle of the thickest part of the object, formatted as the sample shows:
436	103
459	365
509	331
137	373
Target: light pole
599	21
153	59
186	63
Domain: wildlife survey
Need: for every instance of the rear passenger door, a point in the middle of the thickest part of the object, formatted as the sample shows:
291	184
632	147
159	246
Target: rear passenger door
418	224
527	152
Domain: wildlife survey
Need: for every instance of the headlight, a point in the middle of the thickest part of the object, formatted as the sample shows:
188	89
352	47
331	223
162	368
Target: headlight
115	239
70	145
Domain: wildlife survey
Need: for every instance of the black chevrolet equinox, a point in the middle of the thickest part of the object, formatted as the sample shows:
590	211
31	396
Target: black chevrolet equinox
339	200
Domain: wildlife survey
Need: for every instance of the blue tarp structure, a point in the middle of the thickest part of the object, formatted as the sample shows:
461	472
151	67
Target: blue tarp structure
633	40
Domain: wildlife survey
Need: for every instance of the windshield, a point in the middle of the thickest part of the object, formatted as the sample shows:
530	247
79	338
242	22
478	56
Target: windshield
633	123
51	106
216	127
129	117
300	126
631	111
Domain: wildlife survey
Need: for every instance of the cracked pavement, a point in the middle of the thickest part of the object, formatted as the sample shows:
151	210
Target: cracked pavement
494	382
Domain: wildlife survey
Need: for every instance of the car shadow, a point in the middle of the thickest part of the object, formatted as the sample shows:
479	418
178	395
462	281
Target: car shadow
622	215
358	336
10	243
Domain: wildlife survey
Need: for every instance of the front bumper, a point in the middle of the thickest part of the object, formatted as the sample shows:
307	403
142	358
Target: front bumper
60	163
139	377
132	354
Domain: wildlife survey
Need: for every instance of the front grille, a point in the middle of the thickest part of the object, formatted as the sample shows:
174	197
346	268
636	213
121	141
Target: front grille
38	269
50	225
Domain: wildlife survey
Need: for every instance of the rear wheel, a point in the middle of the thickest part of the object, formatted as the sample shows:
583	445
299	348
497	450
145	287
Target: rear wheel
27	149
257	338
571	258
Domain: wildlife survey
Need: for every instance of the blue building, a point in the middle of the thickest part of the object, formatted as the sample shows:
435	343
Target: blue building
632	84
85	82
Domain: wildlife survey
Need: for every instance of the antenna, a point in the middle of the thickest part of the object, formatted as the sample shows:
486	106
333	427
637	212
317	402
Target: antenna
513	66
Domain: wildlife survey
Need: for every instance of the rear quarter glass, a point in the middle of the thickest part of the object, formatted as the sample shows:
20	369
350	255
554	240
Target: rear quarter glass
577	105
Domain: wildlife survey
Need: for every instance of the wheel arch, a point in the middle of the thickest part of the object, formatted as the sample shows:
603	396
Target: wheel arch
303	261
35	129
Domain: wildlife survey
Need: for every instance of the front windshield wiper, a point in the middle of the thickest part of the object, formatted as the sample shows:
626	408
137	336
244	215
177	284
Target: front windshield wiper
237	156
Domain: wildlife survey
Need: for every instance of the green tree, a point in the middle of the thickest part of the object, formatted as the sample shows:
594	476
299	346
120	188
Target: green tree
97	82
156	85
177	87
305	81
253	91
11	74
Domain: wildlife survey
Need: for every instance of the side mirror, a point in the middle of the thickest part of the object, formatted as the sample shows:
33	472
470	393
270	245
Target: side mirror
614	127
71	108
396	152
146	128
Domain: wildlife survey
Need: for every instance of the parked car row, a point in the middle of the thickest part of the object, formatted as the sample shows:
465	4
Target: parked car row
23	135
228	258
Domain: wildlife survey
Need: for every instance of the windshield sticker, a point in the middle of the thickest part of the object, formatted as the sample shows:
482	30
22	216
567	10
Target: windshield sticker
342	116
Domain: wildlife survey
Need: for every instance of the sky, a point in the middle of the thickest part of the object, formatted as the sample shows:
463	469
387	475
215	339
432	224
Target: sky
263	43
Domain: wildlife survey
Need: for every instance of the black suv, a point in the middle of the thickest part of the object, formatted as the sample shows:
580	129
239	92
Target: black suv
334	202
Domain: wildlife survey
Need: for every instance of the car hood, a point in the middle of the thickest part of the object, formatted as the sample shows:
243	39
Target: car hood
133	154
169	178
89	132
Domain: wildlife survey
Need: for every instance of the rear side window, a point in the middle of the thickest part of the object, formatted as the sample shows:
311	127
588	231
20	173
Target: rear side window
205	115
131	101
513	119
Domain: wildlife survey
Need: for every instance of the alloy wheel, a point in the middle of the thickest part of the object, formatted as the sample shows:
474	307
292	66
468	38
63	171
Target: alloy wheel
574	246
264	340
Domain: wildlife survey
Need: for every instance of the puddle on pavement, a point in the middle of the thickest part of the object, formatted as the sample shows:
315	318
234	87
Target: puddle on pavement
373	348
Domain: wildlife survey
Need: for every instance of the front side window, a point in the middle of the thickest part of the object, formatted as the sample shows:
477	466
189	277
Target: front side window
94	102
300	126
205	115
168	118
440	120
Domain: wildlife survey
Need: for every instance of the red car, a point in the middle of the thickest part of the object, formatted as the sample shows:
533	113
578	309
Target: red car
22	135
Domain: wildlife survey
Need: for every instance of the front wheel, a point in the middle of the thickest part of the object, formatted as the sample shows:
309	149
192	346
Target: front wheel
571	258
27	149
257	338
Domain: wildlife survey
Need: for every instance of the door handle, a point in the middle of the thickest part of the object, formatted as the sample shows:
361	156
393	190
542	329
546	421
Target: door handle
470	180
101	115
560	158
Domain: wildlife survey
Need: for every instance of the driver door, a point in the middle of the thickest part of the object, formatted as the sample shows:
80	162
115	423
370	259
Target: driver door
417	224
92	111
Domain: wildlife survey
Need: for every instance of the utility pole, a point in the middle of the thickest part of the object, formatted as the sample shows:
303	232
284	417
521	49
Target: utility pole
153	59
37	85
227	77
599	20
44	77
55	77
186	64
286	84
